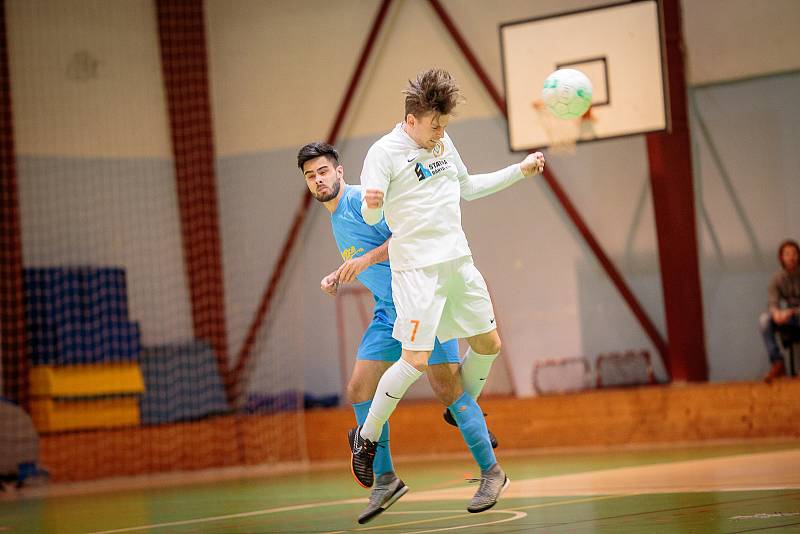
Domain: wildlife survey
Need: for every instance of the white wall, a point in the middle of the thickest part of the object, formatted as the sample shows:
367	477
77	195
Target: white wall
737	39
750	195
86	79
552	298
96	179
96	182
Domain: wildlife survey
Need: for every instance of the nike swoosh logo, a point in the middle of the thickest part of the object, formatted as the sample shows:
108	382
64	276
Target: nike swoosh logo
491	320
482	379
412	159
387	394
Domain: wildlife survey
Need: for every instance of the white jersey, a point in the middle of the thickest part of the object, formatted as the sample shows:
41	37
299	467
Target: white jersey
422	195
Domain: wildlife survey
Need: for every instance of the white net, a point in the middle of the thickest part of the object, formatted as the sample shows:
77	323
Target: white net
563	134
629	368
127	357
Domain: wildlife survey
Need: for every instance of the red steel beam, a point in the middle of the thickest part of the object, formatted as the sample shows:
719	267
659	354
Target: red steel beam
612	272
182	39
12	298
669	156
300	215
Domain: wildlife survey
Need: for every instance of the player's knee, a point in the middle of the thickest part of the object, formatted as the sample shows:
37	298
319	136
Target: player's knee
352	394
446	391
420	366
446	387
486	344
357	392
419	359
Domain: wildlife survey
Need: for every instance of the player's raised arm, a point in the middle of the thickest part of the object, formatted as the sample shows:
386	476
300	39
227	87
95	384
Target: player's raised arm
480	185
374	183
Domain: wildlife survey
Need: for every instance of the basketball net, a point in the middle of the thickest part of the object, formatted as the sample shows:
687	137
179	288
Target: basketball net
563	134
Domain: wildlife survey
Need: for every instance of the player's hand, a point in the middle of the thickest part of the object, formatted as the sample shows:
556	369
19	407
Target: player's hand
373	198
782	316
329	284
532	164
347	271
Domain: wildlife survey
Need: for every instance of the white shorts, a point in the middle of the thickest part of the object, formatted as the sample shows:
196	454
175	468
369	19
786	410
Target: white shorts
448	300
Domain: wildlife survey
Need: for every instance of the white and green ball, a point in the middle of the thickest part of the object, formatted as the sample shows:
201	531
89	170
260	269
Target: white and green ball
567	93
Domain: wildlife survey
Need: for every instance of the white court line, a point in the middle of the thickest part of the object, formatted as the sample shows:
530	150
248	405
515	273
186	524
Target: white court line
779	470
229	516
760	471
460	514
766	515
516	515
349	501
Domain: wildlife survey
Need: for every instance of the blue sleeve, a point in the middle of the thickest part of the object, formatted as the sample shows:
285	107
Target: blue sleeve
383	229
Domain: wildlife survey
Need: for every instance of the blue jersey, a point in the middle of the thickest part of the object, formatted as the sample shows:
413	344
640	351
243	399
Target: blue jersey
354	237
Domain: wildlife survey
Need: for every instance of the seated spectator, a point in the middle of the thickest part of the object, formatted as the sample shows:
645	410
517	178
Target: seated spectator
783	315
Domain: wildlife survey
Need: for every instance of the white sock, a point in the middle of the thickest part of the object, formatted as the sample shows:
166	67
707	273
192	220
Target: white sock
391	388
474	371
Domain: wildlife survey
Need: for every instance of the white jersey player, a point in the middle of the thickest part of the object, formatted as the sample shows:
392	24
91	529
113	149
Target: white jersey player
415	178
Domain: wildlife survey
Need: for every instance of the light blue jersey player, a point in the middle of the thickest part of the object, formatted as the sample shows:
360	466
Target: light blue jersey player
364	249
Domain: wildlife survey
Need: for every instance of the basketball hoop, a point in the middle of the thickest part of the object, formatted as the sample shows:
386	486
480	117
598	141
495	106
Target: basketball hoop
563	134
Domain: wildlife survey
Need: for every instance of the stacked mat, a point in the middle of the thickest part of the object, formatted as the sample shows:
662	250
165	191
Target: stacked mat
83	349
85	396
78	315
182	383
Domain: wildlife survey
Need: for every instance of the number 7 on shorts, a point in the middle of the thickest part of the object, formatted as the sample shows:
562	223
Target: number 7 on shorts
414	331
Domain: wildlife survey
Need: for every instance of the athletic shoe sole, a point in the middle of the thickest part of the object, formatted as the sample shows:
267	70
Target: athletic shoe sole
378	511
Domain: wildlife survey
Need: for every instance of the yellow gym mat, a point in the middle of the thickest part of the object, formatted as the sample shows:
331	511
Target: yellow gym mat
86	380
54	415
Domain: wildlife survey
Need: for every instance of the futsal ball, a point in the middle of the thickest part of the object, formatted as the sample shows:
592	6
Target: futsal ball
567	93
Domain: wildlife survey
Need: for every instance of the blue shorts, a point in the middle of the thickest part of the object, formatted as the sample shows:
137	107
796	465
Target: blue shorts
377	342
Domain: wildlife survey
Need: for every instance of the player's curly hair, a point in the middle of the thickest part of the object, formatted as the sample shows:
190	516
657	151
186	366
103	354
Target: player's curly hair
432	90
783	245
315	150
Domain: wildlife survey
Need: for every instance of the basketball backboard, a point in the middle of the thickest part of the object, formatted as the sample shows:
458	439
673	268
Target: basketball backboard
619	47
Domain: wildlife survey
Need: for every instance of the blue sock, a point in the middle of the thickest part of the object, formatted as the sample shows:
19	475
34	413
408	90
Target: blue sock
472	425
383	458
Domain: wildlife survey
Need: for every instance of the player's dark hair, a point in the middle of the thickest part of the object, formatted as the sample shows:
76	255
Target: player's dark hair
315	150
783	245
434	90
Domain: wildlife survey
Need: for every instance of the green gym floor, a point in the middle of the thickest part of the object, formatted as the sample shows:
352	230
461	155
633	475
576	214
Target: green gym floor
752	487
